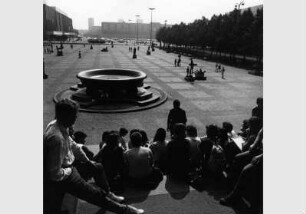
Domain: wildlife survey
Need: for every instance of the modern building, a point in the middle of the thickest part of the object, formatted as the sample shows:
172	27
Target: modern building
91	22
56	24
129	30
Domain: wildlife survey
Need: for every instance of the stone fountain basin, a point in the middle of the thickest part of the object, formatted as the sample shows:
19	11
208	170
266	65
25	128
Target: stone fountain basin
112	78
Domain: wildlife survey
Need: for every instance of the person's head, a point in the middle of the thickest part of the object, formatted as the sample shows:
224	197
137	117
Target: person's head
259	102
212	131
79	137
179	130
176	104
133	130
227	126
123	132
144	137
191	131
136	139
255	124
245	124
113	139
66	112
160	135
105	136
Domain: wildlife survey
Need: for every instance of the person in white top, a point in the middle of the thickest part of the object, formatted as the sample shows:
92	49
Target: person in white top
60	175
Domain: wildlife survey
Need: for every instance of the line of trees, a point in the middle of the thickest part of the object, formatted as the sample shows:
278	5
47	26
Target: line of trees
235	33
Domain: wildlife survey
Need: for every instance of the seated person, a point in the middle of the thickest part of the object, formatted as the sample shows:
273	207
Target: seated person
60	175
195	154
159	149
122	138
255	124
145	139
104	139
178	154
258	110
250	179
111	157
207	143
80	138
139	164
244	130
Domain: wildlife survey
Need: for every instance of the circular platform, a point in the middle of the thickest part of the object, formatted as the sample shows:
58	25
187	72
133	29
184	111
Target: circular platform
116	106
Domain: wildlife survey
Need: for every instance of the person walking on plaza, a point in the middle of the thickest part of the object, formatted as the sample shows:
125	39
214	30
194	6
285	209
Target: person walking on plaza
59	173
222	72
179	61
191	65
175	62
176	115
44	70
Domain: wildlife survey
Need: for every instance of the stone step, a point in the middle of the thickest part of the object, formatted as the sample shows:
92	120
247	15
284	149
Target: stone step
153	99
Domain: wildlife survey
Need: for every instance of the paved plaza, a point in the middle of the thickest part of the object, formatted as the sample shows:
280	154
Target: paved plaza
212	101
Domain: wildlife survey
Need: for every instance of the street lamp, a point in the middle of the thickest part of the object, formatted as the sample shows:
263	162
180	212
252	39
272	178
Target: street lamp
237	5
137	16
151	8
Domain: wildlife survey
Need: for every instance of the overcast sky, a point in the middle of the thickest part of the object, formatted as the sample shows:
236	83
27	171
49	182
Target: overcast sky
174	11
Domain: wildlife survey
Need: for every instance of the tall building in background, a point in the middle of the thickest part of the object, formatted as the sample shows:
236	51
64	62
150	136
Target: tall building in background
129	30
91	22
56	24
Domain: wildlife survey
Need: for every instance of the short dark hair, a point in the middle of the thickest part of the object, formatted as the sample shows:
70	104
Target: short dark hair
176	103
136	139
259	100
212	131
160	135
123	131
113	139
144	136
179	130
191	131
78	136
105	136
227	126
66	111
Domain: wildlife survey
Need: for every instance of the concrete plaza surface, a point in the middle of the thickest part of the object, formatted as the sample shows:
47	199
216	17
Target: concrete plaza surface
212	101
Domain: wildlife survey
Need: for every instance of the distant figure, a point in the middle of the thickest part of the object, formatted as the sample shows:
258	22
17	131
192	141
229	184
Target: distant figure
191	65
179	60
176	115
217	68
175	62
44	71
187	71
71	46
112	44
134	54
138	48
222	72
91	47
80	55
84	45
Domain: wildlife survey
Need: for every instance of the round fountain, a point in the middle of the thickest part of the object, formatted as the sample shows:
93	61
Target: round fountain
112	90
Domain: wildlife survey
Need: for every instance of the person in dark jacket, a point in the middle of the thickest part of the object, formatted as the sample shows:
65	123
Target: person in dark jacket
176	115
178	154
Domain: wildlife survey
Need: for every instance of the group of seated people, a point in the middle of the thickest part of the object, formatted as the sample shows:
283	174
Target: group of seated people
130	158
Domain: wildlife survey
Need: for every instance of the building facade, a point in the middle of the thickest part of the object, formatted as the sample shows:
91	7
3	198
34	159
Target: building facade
91	22
122	30
56	23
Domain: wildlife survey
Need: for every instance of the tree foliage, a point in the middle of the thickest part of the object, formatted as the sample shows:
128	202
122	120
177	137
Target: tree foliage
232	33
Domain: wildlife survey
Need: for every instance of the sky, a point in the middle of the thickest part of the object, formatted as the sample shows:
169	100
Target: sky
174	11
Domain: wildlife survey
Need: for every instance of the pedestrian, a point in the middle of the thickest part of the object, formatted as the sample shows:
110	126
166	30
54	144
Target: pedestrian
191	66
44	71
175	62
179	60
80	55
217	66
222	72
176	115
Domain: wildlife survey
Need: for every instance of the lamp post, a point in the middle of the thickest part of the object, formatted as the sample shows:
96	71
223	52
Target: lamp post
238	5
151	8
137	16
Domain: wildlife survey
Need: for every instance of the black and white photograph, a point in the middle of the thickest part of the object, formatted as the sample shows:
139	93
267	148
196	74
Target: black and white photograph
150	106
